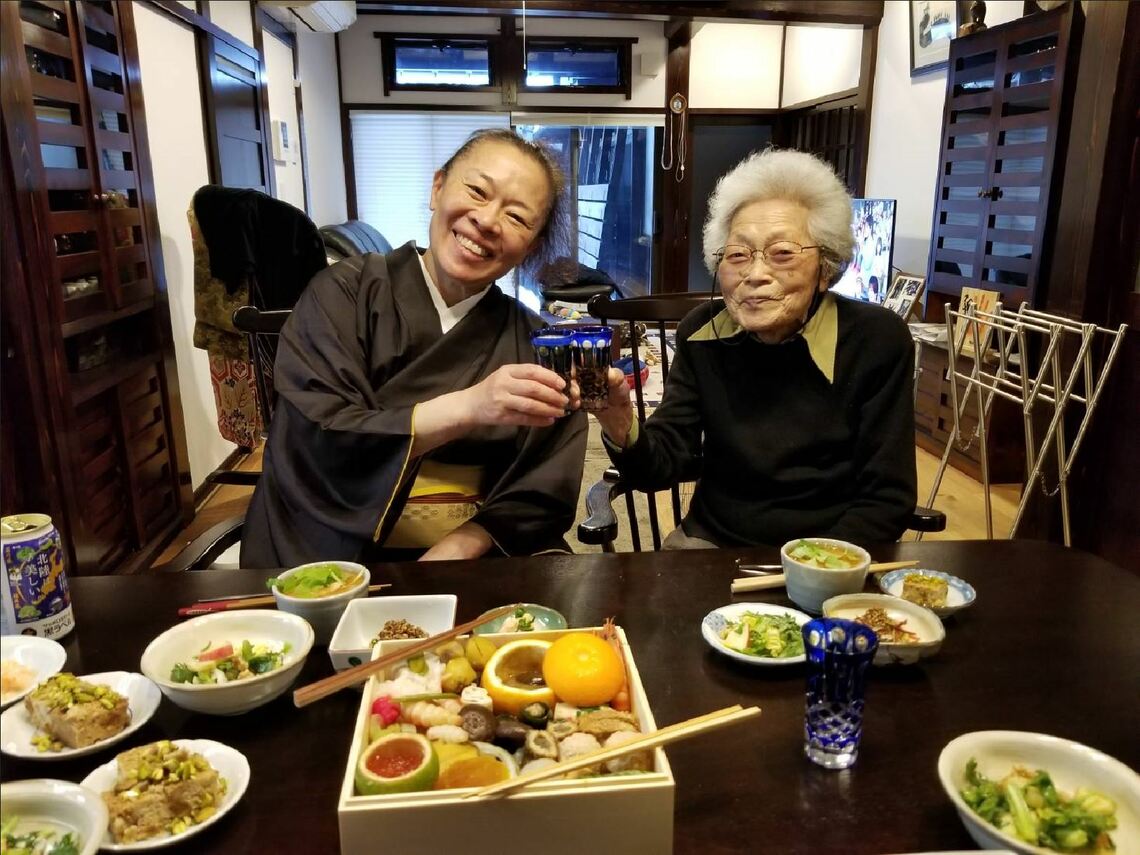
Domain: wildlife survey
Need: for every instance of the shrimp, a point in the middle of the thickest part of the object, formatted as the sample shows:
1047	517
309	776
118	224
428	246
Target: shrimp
425	714
621	701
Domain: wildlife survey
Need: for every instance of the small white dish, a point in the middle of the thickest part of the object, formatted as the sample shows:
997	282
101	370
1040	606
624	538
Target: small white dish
960	594
1070	765
42	656
323	613
142	697
350	644
922	622
183	640
229	763
718	619
61	806
808	586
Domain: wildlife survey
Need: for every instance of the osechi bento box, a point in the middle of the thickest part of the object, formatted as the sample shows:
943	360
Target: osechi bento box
422	742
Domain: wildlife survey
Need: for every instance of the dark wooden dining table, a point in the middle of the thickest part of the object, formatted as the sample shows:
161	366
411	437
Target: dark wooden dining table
1050	646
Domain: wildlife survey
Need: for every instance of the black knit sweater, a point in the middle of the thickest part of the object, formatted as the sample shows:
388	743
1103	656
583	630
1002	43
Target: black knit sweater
787	454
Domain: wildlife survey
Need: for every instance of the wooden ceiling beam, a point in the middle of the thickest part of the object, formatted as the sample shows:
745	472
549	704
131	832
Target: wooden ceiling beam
857	12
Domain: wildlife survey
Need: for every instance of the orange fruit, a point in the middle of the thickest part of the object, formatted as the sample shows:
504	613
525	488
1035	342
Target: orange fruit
513	676
583	670
472	772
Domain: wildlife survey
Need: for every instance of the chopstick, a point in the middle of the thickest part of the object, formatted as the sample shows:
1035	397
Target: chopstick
243	601
323	688
673	733
761	583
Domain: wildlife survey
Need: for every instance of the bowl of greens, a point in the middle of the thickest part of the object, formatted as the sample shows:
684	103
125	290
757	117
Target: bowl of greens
756	633
320	592
1037	794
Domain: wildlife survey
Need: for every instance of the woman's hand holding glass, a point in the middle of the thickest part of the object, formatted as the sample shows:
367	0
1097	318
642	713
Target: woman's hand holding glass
527	395
617	418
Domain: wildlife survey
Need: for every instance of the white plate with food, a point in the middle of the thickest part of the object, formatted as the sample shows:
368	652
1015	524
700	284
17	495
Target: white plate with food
141	817
26	660
71	721
756	633
940	592
993	777
906	632
56	816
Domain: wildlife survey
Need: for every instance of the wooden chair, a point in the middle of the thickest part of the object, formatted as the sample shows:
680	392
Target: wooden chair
659	312
262	327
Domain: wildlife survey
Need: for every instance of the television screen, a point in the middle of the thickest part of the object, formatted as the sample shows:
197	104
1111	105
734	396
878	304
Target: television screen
868	275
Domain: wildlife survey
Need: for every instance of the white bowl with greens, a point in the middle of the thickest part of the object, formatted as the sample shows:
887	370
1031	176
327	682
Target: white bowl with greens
49	813
818	568
756	633
994	778
320	592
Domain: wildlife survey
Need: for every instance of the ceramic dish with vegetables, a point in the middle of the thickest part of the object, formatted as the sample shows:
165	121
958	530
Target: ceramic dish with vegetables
48	817
68	716
906	632
528	617
756	633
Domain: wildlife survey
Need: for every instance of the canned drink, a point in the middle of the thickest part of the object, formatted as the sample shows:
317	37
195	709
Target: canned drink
34	589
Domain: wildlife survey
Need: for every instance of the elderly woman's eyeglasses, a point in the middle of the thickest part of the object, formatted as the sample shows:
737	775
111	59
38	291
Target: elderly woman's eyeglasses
780	254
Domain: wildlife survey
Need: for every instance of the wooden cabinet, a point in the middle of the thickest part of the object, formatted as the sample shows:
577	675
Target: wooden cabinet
934	420
88	302
1004	131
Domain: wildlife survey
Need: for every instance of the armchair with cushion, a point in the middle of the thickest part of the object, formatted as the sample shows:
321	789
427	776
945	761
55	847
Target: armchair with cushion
600	528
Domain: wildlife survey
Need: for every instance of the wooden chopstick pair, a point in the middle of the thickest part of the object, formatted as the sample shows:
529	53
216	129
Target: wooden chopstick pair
244	601
323	688
673	733
763	583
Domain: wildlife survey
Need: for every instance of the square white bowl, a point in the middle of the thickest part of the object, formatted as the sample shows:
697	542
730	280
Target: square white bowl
363	619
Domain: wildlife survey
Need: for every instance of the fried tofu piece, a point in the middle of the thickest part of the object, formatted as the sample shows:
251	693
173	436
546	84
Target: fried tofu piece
77	713
929	591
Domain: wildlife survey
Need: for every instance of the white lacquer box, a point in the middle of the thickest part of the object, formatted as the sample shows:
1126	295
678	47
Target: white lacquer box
618	815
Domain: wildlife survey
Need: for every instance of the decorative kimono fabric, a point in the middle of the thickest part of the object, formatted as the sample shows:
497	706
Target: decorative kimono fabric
363	347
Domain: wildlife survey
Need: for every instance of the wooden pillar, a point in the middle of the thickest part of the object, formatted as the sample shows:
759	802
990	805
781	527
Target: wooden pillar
676	195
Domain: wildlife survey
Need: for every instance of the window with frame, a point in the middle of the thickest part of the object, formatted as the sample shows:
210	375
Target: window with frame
444	63
578	65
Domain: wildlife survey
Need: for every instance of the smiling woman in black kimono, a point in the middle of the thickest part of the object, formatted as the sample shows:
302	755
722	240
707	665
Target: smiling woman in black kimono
409	417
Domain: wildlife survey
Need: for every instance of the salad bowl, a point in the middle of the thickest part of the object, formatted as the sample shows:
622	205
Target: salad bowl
1070	766
180	643
716	621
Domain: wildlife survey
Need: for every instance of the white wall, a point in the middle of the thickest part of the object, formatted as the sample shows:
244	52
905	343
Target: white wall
735	66
820	61
172	100
362	77
316	55
906	128
283	107
233	16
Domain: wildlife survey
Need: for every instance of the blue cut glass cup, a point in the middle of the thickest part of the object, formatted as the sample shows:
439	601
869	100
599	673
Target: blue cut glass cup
554	349
838	653
592	345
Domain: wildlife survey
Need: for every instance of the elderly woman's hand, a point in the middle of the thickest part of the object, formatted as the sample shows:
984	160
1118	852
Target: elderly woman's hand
525	394
617	418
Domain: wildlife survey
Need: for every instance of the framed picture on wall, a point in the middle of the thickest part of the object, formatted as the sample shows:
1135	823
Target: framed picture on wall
933	23
904	293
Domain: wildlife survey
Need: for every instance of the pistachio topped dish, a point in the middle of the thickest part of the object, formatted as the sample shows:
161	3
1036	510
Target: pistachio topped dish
75	713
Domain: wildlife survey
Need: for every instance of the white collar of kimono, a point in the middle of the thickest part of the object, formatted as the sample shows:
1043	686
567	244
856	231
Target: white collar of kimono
449	316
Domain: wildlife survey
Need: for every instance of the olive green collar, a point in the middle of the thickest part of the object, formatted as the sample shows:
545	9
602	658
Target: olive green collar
821	333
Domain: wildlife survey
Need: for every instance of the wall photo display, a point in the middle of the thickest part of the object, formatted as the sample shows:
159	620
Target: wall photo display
933	23
904	293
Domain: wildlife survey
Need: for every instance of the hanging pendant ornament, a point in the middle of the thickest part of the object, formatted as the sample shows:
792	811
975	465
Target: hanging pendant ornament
675	120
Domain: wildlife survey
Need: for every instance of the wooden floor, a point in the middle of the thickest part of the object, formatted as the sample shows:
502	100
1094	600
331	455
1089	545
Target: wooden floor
960	498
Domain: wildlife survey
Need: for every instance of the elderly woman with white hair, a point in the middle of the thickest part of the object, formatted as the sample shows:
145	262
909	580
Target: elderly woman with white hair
796	401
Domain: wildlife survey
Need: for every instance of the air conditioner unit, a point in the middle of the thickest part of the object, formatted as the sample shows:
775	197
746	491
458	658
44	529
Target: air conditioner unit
320	16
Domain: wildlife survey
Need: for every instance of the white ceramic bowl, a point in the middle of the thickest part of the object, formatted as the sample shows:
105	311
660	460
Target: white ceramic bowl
42	656
1070	765
180	642
921	621
809	586
362	619
715	621
77	809
323	613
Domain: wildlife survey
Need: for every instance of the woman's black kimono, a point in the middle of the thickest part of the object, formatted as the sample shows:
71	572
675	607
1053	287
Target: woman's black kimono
363	346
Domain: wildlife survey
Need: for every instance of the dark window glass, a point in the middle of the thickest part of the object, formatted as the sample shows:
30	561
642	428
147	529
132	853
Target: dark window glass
451	62
572	66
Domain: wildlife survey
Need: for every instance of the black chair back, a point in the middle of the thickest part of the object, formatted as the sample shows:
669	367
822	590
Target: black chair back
262	327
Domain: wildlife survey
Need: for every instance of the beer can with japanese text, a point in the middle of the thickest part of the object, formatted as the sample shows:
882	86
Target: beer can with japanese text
34	589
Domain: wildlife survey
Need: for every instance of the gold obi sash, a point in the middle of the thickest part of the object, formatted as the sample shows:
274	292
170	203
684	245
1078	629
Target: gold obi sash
443	497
